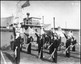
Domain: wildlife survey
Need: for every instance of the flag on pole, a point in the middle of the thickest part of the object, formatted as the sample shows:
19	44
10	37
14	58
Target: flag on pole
26	4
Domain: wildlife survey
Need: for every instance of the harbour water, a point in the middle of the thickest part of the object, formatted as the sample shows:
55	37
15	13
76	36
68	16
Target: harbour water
5	38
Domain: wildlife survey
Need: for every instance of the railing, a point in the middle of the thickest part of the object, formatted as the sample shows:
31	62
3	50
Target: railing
6	30
34	25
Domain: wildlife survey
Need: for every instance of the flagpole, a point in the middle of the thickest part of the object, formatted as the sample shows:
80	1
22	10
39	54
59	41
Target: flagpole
43	20
54	22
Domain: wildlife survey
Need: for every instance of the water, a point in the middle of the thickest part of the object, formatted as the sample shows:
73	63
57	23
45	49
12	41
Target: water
5	38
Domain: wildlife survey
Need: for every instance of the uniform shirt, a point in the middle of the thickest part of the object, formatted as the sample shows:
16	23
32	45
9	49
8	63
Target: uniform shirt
14	31
68	42
55	44
17	41
41	43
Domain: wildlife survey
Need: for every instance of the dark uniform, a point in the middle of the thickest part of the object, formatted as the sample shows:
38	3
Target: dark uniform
38	42
29	45
41	48
51	48
68	43
17	43
73	43
14	32
59	43
40	51
55	54
12	42
55	43
38	37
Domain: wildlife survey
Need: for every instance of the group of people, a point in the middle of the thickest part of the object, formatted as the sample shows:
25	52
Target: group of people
52	42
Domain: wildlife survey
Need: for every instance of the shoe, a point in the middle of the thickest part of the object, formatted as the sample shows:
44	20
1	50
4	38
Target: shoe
54	61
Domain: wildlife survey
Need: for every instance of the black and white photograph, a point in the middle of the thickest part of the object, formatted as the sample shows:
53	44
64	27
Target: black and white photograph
40	32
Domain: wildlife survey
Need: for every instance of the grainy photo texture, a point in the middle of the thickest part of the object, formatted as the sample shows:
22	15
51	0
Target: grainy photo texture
40	32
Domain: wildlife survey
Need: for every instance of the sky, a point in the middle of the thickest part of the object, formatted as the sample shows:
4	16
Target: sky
66	13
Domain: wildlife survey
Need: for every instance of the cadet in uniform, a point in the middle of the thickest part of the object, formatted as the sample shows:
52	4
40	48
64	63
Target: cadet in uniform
51	42
38	42
13	37
17	43
73	43
68	43
57	41
54	47
26	19
29	45
41	47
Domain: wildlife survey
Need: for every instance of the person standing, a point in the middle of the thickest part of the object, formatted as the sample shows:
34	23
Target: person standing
73	41
26	20
54	47
41	47
29	45
13	37
38	42
61	37
51	42
17	43
55	53
68	43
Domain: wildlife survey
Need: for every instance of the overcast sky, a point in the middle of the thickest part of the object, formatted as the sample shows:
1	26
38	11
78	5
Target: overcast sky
66	13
